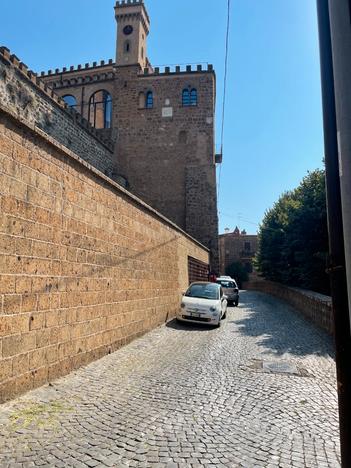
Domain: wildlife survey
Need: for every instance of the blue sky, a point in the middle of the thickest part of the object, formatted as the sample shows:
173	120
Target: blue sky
273	127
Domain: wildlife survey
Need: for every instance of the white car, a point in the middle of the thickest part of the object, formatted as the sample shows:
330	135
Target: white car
203	303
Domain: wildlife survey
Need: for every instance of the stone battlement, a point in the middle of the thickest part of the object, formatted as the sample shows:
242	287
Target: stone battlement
123	3
178	70
12	59
77	68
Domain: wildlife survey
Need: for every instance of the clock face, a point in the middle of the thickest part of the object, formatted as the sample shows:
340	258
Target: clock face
128	30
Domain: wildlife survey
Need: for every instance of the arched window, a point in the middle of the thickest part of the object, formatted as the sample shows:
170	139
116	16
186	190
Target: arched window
193	97
186	97
100	109
189	97
149	103
70	100
127	47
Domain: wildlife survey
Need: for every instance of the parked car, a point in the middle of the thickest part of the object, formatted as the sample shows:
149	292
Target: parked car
230	289
203	303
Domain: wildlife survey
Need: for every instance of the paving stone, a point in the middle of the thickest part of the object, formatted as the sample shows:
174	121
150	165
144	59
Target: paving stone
190	396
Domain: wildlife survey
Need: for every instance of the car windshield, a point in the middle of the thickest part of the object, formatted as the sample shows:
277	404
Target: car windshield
226	284
203	291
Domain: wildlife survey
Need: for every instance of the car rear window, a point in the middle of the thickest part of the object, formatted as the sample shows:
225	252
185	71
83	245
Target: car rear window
226	284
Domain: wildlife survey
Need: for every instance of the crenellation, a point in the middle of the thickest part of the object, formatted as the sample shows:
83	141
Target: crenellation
167	70
38	83
15	60
79	67
122	3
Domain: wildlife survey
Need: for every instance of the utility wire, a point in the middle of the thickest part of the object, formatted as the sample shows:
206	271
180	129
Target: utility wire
224	93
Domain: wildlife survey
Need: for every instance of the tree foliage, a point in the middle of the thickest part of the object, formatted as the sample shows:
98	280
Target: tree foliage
237	271
293	237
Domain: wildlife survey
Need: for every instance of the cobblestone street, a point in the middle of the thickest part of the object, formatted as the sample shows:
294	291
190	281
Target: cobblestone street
190	396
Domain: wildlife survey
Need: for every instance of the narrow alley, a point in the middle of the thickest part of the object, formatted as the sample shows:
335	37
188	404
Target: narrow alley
259	391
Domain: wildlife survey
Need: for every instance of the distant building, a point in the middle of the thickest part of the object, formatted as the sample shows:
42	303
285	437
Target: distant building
237	246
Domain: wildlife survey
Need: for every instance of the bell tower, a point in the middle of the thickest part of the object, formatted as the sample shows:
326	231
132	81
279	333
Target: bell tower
133	26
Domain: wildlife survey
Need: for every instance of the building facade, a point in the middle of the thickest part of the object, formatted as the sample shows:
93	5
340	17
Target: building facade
160	122
237	246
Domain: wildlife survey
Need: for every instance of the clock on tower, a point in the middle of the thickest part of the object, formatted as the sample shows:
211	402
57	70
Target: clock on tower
132	30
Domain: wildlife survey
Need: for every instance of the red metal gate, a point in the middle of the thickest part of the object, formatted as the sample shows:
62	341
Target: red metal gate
198	271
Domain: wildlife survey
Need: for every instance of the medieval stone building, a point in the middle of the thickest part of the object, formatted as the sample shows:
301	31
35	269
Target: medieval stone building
237	247
161	125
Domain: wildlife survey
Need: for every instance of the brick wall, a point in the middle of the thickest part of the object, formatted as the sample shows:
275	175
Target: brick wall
316	307
21	92
168	158
85	267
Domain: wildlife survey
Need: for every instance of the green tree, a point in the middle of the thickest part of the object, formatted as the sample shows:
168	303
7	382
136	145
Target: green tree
293	237
237	271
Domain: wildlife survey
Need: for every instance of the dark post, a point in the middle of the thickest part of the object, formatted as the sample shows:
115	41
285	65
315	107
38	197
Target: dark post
336	238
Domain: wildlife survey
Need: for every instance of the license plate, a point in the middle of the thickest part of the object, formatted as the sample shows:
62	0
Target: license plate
193	314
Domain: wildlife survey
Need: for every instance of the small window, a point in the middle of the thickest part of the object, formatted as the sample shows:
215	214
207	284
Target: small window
127	47
70	100
142	52
193	97
247	246
183	137
186	98
149	100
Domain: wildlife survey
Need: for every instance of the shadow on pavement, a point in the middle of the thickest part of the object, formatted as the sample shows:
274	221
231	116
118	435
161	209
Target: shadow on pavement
281	328
188	326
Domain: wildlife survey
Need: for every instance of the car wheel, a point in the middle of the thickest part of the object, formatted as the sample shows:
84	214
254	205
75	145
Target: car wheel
218	324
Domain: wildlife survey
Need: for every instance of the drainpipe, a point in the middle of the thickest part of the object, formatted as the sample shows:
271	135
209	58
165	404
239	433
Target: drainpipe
335	194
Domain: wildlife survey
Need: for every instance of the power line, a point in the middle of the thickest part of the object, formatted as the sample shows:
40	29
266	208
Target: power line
224	93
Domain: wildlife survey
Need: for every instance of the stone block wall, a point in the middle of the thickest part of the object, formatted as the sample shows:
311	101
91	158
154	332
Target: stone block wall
85	267
314	306
30	99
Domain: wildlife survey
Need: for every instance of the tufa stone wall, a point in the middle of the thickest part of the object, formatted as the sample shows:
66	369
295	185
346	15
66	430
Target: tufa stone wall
30	99
85	267
316	307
